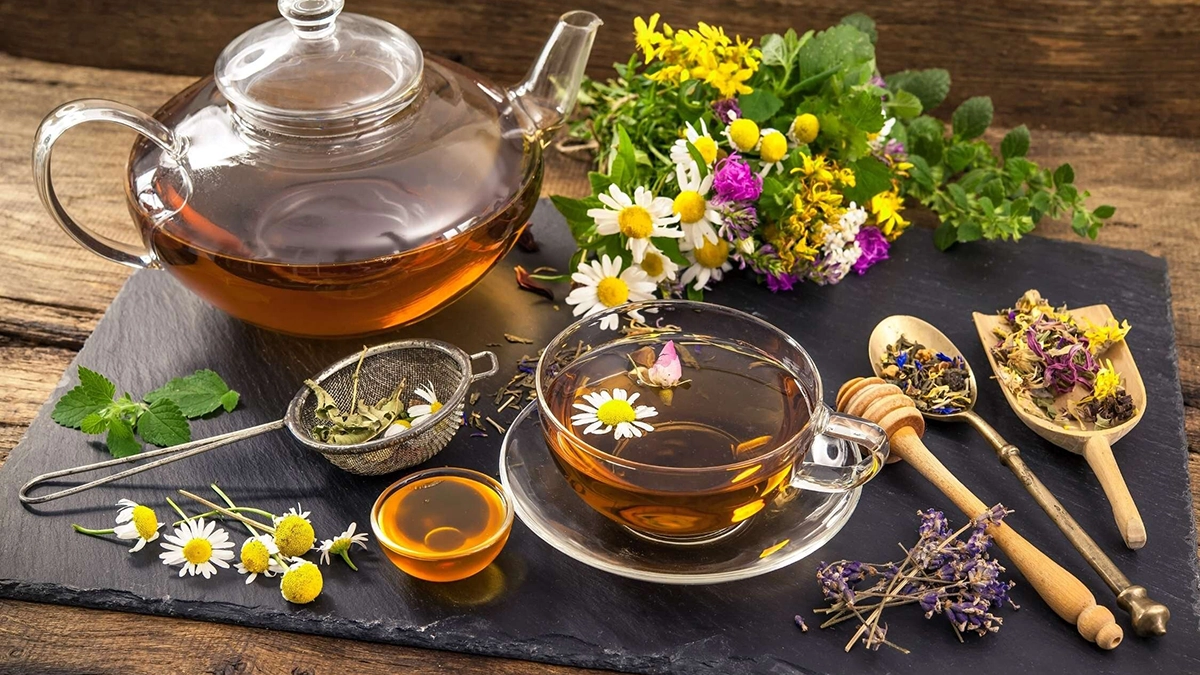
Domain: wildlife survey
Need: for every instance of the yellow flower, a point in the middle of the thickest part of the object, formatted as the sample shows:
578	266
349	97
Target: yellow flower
705	54
805	128
815	167
301	583
646	37
1108	382
1101	337
729	79
886	207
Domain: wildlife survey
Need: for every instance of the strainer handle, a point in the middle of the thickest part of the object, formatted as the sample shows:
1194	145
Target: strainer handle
173	454
490	371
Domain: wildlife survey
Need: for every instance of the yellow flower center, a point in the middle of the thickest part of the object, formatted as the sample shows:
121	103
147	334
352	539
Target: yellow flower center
690	206
403	424
1107	383
707	148
145	521
197	551
713	255
652	264
434	407
774	147
340	546
744	134
612	292
255	556
301	584
805	128
635	222
294	536
615	412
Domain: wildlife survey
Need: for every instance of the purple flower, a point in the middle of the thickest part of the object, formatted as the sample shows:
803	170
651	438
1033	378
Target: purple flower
734	180
725	106
781	281
874	247
738	220
878	81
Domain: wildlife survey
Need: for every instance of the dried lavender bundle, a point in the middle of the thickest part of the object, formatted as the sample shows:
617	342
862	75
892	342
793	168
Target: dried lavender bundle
943	573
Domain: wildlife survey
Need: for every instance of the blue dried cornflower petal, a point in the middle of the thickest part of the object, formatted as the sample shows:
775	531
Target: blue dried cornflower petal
942	357
901	359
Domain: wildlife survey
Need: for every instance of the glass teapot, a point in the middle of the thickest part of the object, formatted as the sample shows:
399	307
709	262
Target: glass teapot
329	178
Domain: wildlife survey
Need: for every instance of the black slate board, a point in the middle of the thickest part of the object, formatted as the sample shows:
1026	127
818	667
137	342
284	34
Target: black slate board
537	604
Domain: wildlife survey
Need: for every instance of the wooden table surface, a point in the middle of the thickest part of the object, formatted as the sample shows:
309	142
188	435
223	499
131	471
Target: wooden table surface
52	293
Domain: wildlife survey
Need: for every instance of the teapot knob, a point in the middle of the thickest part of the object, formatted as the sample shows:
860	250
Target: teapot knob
311	19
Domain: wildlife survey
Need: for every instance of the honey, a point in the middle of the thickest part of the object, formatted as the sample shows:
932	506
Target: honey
442	524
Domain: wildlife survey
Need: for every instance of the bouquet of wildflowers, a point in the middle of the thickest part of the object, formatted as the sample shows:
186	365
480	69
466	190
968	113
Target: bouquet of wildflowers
790	158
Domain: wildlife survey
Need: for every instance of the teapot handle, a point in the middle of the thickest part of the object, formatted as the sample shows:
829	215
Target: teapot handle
95	110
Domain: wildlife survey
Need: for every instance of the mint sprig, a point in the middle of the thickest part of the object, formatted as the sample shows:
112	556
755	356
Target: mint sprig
160	419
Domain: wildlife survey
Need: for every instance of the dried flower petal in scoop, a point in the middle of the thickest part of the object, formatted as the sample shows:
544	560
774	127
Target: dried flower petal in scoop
937	383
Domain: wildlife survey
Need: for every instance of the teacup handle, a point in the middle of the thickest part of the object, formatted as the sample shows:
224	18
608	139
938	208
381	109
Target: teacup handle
847	452
94	110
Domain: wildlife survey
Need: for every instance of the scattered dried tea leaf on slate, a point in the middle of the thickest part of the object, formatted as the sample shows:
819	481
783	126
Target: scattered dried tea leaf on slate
528	283
517	339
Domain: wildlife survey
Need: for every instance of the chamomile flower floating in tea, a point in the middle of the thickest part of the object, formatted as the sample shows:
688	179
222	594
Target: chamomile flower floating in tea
199	547
134	521
294	533
301	583
603	284
613	412
935	382
259	555
638	219
423	411
708	263
340	545
694	206
701	140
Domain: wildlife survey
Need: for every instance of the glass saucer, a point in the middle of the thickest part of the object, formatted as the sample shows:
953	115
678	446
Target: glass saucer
788	530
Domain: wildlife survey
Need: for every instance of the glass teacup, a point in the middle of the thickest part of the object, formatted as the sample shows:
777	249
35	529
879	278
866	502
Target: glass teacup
688	454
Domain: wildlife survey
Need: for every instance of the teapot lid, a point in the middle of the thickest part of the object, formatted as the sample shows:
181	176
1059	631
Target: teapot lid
317	70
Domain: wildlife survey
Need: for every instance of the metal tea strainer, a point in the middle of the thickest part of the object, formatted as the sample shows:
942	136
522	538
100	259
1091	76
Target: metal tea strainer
384	367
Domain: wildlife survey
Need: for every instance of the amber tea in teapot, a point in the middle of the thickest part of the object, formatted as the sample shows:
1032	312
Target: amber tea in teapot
329	178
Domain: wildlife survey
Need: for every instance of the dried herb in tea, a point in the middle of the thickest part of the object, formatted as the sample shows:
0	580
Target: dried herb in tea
937	383
363	422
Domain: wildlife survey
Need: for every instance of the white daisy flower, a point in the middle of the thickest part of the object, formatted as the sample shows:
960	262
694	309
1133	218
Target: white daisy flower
658	266
742	134
604	285
701	140
135	521
420	413
294	533
772	150
697	215
613	410
639	219
197	546
709	262
258	556
340	545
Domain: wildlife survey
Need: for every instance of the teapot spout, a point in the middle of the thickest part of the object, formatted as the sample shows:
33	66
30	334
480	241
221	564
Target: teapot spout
546	97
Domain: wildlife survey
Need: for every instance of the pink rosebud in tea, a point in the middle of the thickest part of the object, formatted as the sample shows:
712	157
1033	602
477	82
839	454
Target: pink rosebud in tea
667	370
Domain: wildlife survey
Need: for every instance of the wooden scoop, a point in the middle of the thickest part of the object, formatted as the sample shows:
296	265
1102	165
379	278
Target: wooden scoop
1094	444
887	406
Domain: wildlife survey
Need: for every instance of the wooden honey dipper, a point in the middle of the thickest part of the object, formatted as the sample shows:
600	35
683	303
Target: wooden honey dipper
886	405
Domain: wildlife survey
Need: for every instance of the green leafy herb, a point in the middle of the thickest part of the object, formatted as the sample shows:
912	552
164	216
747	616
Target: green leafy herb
363	422
161	419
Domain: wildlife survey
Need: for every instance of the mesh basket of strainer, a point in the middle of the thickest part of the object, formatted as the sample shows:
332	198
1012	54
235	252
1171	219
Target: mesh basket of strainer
384	367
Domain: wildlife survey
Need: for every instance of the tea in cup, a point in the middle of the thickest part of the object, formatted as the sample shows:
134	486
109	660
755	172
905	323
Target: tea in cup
683	432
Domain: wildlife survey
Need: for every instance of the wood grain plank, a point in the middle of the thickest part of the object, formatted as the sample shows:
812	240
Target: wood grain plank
1110	66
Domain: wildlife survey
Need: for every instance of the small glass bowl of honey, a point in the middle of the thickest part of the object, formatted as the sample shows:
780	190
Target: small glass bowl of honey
442	524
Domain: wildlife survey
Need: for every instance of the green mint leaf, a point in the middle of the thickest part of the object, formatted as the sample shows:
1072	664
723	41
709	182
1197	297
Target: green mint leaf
1079	223
870	178
1063	175
959	195
920	172
843	48
864	23
624	164
759	105
945	235
229	399
93	394
694	294
960	156
929	86
926	136
599	181
196	395
972	118
698	158
863	111
774	50
94	423
904	105
1104	211
970	231
120	440
163	424
1015	143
